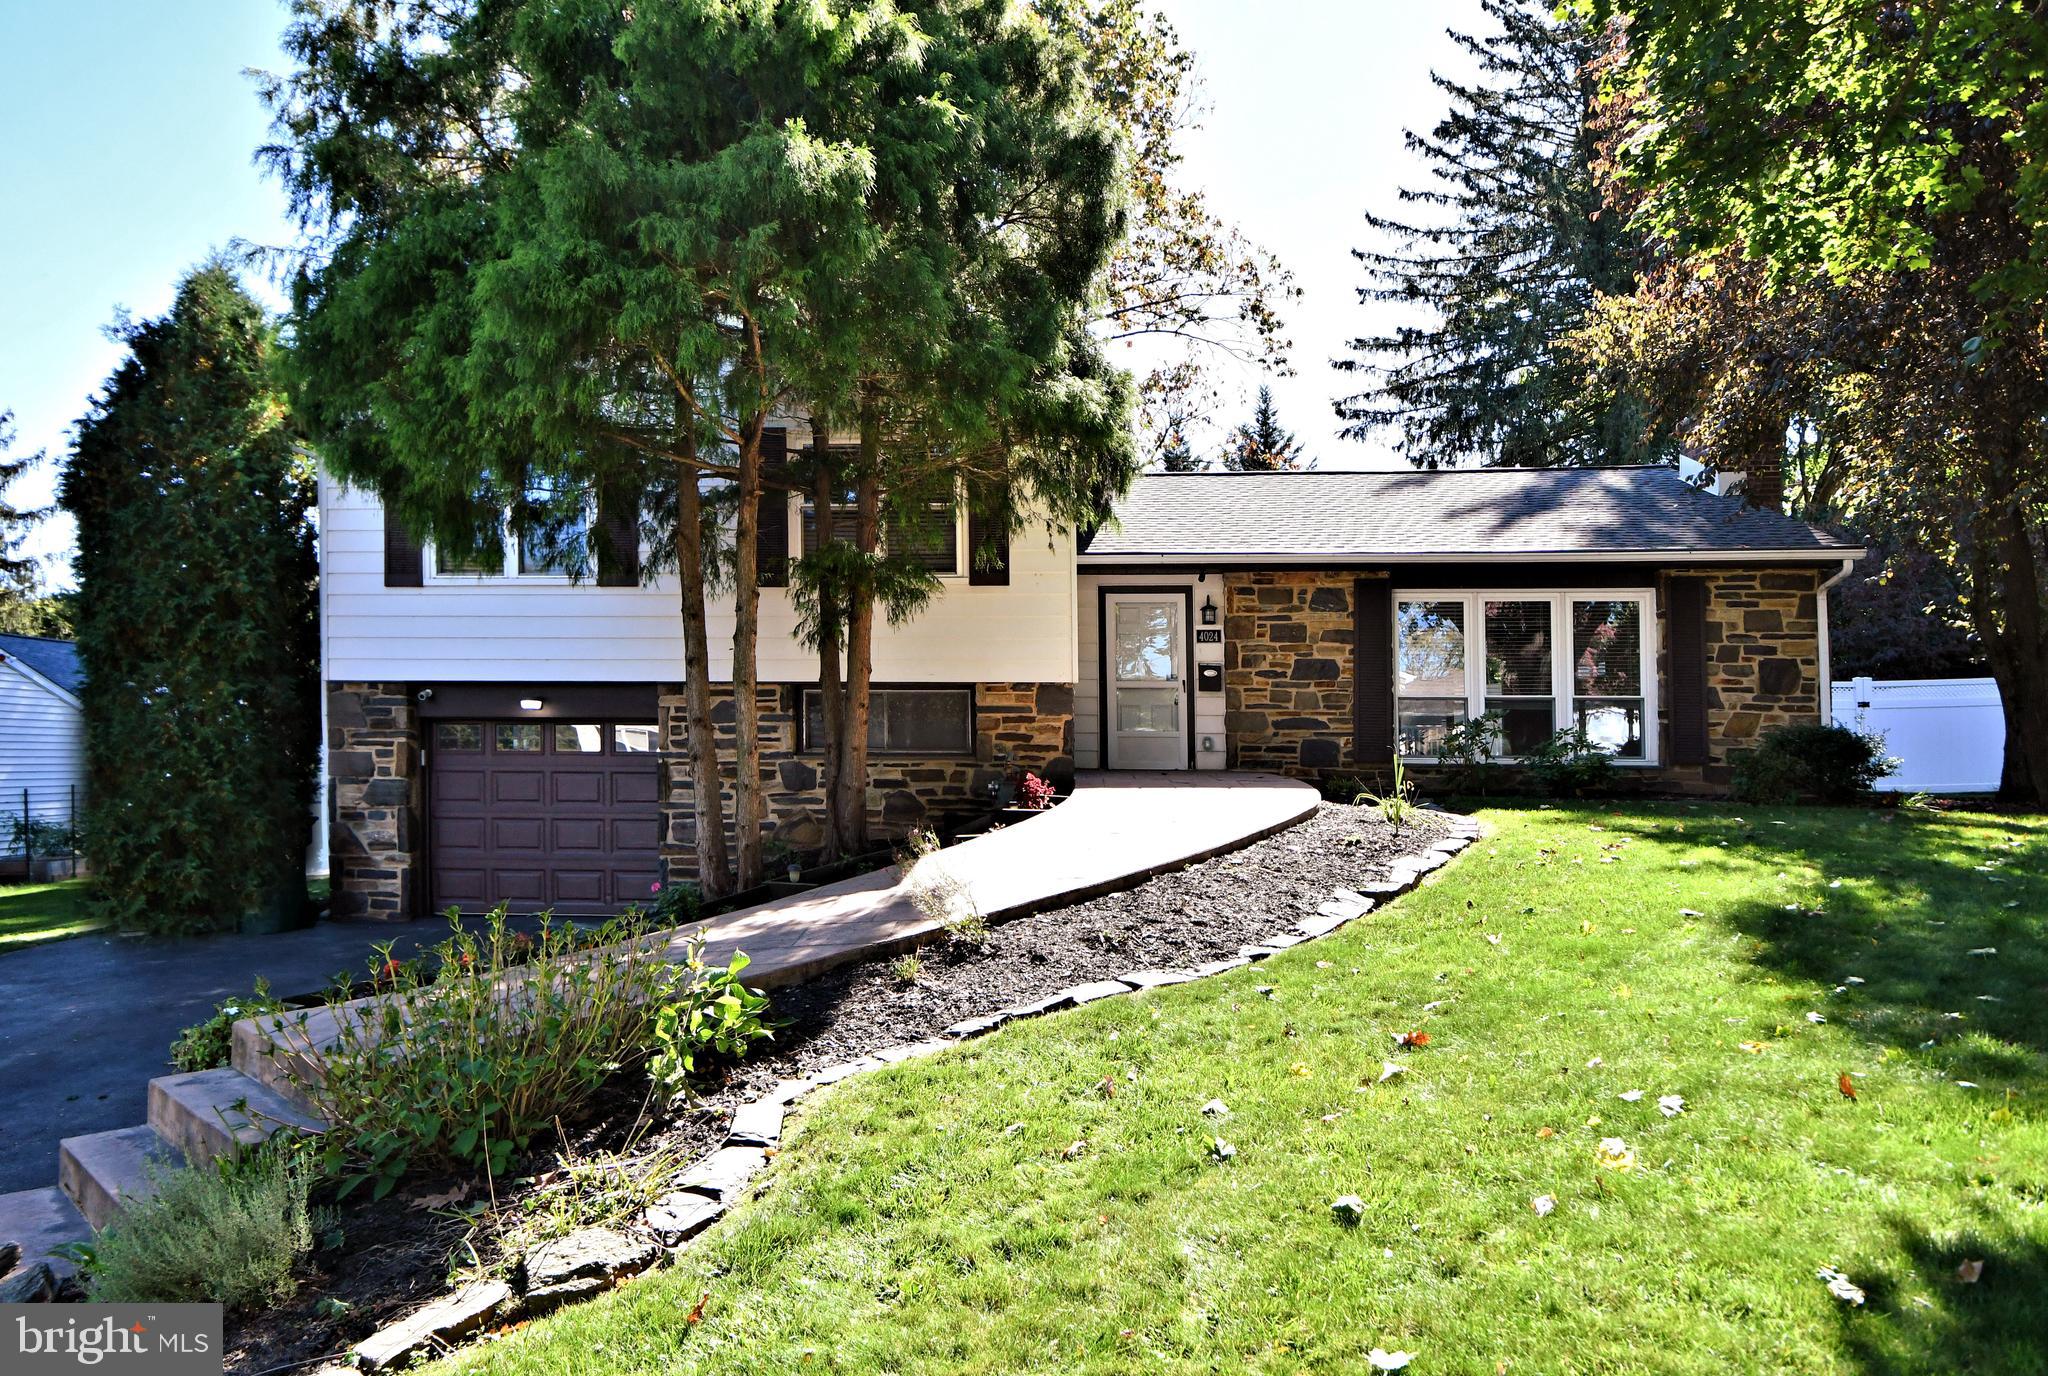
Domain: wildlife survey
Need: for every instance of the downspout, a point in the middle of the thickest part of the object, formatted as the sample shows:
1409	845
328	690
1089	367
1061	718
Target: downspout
1827	682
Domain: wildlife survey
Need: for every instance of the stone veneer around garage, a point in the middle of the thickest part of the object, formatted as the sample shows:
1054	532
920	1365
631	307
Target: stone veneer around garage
1016	726
373	744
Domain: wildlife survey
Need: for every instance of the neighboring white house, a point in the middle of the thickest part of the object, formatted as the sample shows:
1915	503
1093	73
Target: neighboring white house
42	733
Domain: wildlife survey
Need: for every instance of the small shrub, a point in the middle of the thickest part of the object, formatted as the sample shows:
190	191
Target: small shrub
1034	793
1830	763
1465	753
464	1067
704	1009
1397	805
1570	765
674	904
41	836
208	1045
228	1233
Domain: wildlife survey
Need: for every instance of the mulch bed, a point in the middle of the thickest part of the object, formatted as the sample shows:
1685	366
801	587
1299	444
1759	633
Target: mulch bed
394	1252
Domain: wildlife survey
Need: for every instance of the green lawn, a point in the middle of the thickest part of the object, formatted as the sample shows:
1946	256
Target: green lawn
43	912
930	1219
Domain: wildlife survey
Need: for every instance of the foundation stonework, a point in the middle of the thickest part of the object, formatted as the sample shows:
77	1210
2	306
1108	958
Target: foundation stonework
1017	726
373	753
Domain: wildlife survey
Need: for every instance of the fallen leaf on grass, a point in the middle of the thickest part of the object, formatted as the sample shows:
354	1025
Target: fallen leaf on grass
1969	1272
1543	1204
1840	1286
1846	1085
1493	938
1629	1096
1299	1068
1382	1360
1074	1149
696	1314
1388	1070
1753	1048
1221	1150
1690	912
1348	1208
1546	1132
1816	1017
1411	1039
1106	1087
1614	1154
1671	1105
1215	1108
1982	951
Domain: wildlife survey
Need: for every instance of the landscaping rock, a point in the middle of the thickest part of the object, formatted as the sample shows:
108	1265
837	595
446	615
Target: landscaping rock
1156	979
457	1316
678	1217
911	1051
1218	967
1328	920
756	1124
1051	1003
788	1091
1097	989
725	1172
833	1074
34	1283
583	1264
976	1027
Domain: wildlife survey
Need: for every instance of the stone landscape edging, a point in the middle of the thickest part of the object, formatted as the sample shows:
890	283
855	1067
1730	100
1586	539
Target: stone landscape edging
712	1185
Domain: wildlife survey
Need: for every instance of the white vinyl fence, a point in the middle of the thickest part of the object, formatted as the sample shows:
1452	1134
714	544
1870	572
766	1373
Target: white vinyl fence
1948	734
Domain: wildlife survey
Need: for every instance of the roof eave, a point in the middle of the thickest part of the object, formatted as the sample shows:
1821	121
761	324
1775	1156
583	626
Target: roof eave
1821	555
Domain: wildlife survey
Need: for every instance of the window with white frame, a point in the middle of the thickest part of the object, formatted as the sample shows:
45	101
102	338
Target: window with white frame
538	555
1536	662
930	536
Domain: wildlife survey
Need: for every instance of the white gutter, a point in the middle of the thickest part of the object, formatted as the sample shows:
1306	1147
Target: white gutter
1634	556
1826	666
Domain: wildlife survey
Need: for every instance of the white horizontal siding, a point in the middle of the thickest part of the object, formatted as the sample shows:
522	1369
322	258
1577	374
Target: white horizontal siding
1088	687
493	630
42	750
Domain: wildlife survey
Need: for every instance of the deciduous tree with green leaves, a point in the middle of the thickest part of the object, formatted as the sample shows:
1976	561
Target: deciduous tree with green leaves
1860	184
196	619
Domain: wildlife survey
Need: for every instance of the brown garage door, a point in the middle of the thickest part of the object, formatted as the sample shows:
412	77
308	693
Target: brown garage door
554	815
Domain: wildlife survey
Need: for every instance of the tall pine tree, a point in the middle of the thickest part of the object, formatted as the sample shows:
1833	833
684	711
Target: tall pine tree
1262	444
1504	261
196	620
17	569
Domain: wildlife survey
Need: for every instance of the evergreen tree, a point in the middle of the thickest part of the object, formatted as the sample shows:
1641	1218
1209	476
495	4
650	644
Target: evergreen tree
17	570
196	620
1262	444
1505	262
1176	457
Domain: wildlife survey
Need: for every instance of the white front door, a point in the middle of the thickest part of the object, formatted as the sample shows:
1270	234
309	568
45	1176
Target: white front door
1145	681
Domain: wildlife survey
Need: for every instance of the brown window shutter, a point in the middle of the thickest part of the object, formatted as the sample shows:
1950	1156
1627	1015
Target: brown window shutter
404	564
1372	726
988	550
771	535
616	537
1685	601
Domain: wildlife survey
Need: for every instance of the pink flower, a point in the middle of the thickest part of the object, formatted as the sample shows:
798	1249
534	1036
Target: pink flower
655	887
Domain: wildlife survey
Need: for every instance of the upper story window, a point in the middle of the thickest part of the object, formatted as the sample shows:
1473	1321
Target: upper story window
932	537
538	556
1538	662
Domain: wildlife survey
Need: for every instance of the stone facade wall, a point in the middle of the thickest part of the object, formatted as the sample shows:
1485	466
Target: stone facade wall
1289	665
1016	726
1288	671
373	753
1763	664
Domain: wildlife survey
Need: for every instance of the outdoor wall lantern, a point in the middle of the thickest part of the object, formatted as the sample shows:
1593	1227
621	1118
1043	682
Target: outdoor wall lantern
530	704
1208	611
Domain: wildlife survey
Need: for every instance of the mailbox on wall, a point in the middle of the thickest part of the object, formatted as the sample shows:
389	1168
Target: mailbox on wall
1209	678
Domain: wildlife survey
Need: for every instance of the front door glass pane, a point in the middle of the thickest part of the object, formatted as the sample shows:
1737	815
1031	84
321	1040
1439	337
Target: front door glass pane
1144	642
1154	711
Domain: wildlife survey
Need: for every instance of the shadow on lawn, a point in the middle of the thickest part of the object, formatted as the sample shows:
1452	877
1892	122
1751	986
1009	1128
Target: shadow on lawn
1994	1324
1913	906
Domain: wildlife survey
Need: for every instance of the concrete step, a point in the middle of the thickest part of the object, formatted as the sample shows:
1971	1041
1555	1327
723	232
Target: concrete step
285	1062
103	1170
207	1114
42	1221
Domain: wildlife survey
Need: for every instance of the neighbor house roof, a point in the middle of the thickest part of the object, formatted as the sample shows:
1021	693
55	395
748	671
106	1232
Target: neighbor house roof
55	660
1477	513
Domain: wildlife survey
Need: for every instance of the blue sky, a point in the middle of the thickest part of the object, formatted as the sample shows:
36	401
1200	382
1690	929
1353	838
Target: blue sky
127	130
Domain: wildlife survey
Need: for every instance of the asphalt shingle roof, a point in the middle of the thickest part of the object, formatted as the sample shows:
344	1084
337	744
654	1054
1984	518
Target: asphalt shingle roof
1448	514
55	660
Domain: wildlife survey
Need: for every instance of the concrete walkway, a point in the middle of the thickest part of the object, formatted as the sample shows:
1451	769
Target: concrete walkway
1116	830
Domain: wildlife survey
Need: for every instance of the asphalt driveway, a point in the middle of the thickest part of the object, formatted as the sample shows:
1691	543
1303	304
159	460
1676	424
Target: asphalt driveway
85	1024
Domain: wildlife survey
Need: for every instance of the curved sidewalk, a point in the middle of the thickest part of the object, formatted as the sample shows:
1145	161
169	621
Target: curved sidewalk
1116	830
